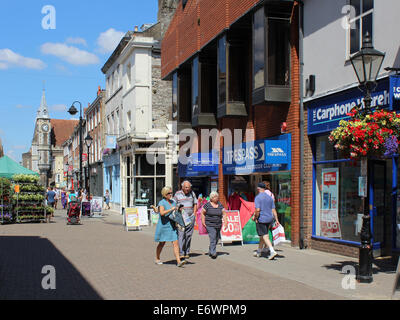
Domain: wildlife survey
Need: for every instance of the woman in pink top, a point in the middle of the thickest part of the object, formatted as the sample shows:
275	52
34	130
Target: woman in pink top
268	190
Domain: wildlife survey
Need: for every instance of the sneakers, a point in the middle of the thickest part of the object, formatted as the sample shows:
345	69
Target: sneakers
272	255
257	254
181	264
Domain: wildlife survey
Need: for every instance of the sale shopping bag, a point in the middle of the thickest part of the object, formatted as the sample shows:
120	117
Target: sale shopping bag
278	234
202	229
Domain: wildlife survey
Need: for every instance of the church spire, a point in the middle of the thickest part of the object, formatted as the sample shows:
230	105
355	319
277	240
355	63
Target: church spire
43	113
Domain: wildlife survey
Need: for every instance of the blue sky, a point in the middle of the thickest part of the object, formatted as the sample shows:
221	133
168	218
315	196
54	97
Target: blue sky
68	59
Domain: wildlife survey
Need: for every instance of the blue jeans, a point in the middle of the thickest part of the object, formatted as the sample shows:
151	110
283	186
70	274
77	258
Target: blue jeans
215	234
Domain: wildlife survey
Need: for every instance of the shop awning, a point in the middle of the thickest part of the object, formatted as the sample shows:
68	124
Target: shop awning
9	168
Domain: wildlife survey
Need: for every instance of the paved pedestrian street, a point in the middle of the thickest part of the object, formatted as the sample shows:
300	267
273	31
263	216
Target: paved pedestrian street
100	260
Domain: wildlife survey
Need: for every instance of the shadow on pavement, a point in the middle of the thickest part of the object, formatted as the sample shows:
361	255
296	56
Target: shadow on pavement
378	266
21	263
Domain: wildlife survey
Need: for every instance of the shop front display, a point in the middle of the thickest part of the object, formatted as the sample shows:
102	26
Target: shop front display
253	162
339	186
29	201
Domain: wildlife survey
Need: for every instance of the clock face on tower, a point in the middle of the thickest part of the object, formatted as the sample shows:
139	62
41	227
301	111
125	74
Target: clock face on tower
45	127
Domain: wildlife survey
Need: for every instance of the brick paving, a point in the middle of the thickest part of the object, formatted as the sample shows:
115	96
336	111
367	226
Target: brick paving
100	260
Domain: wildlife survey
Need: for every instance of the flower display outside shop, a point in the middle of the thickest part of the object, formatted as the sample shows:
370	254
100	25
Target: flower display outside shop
376	134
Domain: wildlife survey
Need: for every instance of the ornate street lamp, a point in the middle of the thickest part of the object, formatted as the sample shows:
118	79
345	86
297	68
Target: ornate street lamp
366	63
73	111
88	142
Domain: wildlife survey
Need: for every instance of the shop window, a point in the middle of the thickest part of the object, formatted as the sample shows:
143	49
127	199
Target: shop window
150	178
324	149
143	166
338	208
361	23
280	184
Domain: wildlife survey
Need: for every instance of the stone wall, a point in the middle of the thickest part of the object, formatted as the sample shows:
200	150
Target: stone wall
161	95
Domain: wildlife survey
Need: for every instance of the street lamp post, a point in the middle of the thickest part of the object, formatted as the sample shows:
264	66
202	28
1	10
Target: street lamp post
73	111
67	165
88	142
366	63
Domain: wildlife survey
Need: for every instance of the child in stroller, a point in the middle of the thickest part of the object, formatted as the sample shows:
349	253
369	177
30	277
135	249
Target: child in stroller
74	210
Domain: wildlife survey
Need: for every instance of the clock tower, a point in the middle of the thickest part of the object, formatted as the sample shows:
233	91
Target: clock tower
41	144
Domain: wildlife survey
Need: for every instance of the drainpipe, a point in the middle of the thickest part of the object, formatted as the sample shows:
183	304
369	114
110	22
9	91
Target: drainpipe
302	227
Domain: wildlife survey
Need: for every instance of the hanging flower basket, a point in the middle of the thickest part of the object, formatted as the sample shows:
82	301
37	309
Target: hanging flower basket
367	135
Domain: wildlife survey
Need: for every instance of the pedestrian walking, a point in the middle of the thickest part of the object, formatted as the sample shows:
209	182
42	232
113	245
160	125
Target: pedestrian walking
63	198
56	198
265	248
107	199
212	216
186	198
166	230
50	197
264	216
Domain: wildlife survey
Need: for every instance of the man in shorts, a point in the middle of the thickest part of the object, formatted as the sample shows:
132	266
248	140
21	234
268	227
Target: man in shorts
264	217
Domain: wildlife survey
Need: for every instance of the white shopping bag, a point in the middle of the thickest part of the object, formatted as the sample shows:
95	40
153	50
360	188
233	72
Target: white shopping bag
278	234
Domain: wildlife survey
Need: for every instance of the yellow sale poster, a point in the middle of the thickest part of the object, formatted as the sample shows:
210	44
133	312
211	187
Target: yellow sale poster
132	217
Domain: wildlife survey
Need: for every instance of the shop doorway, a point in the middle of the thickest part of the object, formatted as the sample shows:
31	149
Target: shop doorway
378	203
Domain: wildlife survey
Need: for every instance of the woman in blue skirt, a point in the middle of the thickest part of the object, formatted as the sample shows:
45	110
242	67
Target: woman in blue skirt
166	230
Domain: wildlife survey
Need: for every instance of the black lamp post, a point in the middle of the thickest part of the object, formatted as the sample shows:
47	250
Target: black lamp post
366	63
88	142
67	165
73	111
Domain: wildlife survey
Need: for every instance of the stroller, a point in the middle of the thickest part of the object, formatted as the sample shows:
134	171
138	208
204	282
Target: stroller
74	212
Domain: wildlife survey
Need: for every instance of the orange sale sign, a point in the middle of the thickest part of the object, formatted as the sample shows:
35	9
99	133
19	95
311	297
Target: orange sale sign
233	230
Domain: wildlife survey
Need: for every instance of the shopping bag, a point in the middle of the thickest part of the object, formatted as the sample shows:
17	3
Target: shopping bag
202	229
278	234
249	233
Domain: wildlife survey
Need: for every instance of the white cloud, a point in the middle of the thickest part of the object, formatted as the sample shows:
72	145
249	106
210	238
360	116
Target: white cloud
58	108
76	40
9	59
69	54
108	40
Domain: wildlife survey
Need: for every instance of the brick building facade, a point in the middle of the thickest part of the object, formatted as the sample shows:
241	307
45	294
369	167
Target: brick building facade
203	37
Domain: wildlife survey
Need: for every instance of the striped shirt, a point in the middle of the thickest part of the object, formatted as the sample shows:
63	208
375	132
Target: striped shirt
188	200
